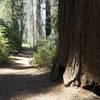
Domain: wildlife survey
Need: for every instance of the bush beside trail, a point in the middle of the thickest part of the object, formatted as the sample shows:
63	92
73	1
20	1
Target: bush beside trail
45	51
4	47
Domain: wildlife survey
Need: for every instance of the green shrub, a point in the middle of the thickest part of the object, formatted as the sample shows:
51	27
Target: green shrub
4	48
44	53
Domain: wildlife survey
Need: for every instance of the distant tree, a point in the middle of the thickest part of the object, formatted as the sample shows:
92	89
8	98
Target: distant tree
54	17
37	21
16	30
37	16
28	14
48	17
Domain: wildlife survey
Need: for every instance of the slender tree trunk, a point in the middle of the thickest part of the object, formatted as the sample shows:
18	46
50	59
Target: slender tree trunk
37	16
78	53
48	17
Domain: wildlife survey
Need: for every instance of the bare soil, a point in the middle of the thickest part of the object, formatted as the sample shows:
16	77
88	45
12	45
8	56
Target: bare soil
20	81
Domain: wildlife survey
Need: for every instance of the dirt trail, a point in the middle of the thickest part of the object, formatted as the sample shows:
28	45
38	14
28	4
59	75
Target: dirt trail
20	81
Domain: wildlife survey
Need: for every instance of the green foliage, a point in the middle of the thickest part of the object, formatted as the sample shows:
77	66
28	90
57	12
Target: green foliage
6	10
44	53
14	37
4	47
11	14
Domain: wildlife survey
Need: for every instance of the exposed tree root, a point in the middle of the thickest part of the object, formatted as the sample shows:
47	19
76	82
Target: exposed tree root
94	87
57	72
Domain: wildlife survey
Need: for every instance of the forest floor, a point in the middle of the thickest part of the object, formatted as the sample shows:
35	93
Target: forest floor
20	81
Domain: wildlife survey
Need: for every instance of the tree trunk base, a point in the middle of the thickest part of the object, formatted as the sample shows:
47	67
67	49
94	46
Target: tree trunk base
57	72
74	93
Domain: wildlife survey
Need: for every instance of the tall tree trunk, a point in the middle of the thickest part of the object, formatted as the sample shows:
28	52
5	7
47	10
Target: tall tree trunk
28	36
37	16
48	17
78	53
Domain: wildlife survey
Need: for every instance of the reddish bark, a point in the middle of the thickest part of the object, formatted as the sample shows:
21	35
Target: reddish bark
78	49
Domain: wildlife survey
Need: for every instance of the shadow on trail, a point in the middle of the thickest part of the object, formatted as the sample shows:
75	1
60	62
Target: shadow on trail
15	85
25	52
19	61
15	66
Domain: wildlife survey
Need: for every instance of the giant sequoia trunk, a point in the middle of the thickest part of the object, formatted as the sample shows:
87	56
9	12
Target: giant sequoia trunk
78	54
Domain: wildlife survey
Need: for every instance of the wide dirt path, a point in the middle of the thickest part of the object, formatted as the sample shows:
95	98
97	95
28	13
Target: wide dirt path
20	81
